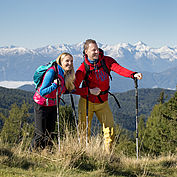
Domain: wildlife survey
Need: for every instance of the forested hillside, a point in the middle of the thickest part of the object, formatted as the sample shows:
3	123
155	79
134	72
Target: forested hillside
147	98
158	135
125	116
156	140
11	96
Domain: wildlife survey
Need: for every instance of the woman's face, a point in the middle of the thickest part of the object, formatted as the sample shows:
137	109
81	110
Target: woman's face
67	62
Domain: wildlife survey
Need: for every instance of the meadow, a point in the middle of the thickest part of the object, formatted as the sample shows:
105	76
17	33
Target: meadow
74	159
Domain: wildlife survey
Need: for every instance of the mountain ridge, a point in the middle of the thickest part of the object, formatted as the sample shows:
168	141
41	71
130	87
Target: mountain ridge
156	64
166	52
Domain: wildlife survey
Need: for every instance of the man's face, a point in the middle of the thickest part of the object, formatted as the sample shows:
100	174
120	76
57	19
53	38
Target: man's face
92	51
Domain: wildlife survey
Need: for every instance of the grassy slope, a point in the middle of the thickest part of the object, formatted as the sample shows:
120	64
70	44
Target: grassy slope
76	160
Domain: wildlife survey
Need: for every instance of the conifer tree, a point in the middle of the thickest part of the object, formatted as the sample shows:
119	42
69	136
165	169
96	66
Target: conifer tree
13	125
141	132
160	131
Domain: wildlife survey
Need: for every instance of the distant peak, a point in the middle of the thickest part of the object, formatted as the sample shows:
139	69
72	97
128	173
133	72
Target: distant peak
50	47
165	47
140	43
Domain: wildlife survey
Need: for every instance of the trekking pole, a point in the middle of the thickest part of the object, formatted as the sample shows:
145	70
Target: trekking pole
75	117
136	96
87	121
58	116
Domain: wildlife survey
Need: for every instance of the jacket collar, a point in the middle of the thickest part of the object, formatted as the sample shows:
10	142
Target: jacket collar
92	65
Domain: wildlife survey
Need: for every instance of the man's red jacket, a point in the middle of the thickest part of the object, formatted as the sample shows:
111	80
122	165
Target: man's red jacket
98	77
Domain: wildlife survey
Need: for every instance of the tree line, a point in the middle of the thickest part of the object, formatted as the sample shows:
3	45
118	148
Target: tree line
157	129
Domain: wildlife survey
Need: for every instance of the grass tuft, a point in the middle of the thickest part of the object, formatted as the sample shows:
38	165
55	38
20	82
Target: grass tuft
75	159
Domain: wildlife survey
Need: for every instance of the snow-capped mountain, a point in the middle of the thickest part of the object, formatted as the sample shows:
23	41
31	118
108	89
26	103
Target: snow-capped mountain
19	63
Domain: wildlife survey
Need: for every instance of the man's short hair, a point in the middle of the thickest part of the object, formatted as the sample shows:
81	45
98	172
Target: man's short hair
87	42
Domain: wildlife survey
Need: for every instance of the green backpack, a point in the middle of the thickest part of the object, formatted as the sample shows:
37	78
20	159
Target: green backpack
40	71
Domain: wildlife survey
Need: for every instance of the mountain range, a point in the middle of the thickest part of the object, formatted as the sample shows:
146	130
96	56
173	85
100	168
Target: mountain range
158	65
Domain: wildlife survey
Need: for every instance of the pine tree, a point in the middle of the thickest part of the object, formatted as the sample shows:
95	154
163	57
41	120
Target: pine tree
160	131
141	132
13	125
161	98
169	115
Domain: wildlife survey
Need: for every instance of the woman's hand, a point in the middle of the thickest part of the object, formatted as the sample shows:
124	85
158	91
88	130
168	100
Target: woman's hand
55	81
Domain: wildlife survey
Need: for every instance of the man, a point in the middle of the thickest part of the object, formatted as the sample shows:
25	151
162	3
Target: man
95	88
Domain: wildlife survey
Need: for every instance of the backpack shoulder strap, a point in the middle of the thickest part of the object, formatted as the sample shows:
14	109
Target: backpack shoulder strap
56	67
87	71
105	68
56	72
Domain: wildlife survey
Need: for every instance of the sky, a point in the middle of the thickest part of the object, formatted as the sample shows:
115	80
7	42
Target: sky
38	23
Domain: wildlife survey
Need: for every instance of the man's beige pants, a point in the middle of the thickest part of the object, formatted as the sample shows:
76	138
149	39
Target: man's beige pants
104	115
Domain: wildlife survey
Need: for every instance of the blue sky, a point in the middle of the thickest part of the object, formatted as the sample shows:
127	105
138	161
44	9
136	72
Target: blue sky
37	23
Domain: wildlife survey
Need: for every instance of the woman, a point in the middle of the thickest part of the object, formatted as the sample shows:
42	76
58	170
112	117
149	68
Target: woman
45	99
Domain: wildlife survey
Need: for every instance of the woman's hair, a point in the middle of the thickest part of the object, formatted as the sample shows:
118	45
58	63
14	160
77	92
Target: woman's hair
68	75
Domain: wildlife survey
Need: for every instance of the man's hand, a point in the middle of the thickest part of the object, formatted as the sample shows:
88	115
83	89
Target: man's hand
95	91
138	76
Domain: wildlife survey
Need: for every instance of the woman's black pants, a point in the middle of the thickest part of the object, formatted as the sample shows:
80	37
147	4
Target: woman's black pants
45	120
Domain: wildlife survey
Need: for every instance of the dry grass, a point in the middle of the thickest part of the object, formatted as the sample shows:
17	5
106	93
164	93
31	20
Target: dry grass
75	159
